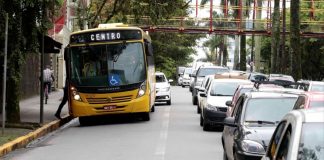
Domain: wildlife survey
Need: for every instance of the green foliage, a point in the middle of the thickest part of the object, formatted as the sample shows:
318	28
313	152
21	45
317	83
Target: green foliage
25	22
172	50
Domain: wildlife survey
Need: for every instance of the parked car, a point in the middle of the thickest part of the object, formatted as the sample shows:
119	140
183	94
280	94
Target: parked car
163	92
316	86
192	79
286	81
201	89
310	100
199	77
299	136
249	128
186	77
213	110
255	76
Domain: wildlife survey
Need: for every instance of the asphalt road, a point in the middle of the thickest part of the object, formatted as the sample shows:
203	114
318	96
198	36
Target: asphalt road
173	133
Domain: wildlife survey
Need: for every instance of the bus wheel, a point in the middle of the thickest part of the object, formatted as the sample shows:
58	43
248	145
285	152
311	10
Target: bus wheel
84	121
146	116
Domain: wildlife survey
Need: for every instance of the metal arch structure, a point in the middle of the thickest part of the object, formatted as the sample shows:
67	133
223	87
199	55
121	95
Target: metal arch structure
227	25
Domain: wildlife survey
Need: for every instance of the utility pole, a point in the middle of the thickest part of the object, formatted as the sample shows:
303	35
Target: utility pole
41	114
4	76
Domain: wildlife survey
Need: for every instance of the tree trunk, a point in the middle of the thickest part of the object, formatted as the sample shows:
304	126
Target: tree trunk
236	53
275	37
243	53
225	54
257	55
295	39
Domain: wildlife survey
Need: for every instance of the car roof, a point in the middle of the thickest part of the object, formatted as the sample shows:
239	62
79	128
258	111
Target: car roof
308	115
159	73
280	90
231	80
281	77
212	67
261	94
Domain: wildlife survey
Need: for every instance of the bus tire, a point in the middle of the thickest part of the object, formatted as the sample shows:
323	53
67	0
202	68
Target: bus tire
146	116
84	121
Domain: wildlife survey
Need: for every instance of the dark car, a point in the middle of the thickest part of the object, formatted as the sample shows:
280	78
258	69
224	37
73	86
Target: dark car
255	116
200	75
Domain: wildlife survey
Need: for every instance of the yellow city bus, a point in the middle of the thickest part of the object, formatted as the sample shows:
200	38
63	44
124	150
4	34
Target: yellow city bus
110	70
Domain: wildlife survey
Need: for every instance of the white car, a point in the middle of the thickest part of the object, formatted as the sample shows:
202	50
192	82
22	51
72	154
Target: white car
213	109
163	92
299	135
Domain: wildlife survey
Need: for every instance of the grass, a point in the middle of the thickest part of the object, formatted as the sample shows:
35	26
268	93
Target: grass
12	133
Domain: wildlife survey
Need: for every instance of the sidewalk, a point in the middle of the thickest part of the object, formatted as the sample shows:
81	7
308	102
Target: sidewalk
30	112
30	108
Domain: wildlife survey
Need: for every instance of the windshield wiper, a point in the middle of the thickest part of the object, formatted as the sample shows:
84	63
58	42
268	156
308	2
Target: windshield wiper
261	122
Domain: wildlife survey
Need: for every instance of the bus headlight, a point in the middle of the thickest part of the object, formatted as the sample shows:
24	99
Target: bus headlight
75	94
141	90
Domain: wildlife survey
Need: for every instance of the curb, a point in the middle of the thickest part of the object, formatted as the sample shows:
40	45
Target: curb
22	141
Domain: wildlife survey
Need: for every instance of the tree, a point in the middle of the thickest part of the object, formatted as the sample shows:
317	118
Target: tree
275	37
295	39
25	17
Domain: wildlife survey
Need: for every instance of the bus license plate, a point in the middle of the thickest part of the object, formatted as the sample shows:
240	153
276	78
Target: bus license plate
109	107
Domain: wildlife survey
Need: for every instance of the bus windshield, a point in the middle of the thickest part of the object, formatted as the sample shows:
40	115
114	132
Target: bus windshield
108	65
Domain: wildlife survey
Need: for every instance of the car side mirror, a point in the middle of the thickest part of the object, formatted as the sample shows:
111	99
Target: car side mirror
170	80
229	121
148	49
203	94
229	103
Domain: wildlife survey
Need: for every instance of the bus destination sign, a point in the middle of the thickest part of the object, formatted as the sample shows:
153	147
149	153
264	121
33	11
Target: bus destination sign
105	36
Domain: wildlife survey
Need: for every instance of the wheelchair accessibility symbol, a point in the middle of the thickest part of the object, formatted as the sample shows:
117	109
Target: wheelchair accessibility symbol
114	80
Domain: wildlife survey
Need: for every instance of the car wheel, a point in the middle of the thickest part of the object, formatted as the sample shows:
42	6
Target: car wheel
183	86
153	108
205	126
198	109
236	157
169	102
201	120
224	155
194	100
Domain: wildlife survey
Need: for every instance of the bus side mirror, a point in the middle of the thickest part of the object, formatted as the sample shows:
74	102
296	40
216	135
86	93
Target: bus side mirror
148	49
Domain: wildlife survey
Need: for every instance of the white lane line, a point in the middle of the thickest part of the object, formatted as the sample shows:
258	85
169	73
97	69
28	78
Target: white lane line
161	145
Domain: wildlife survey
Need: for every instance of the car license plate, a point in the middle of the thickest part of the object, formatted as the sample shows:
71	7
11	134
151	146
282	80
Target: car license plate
109	107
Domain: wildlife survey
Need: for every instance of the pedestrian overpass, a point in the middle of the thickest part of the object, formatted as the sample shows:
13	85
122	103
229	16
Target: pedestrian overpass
258	23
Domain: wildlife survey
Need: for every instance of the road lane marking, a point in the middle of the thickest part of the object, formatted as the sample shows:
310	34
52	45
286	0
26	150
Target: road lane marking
161	145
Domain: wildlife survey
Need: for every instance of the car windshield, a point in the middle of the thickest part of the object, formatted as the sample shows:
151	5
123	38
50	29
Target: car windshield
223	88
317	88
160	78
311	146
209	71
187	71
268	109
108	65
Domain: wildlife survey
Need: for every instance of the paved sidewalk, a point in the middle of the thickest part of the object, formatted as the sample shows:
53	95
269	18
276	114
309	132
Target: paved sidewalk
30	108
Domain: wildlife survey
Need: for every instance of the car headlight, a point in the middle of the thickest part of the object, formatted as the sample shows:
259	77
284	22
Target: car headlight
165	89
75	94
252	147
211	107
142	90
